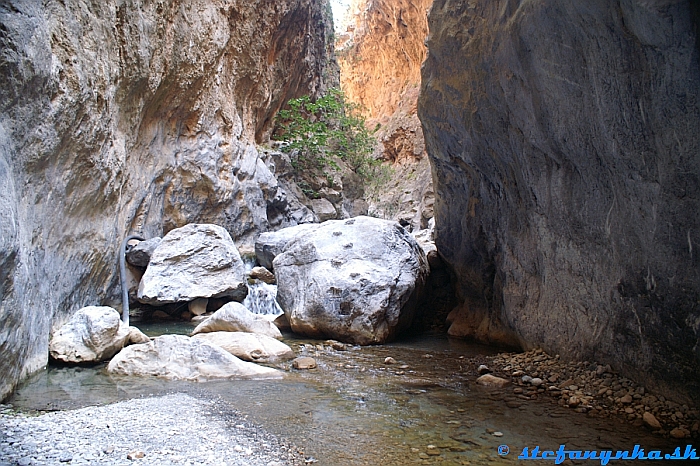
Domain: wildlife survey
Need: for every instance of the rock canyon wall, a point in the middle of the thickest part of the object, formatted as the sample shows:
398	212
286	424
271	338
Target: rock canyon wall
121	117
566	155
380	56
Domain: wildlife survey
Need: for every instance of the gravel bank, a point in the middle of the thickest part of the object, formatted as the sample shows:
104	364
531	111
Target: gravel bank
596	390
175	429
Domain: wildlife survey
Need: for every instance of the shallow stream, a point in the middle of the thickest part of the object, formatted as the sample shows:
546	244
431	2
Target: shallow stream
356	410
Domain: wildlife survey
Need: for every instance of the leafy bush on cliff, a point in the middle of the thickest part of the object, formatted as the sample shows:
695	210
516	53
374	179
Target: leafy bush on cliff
323	132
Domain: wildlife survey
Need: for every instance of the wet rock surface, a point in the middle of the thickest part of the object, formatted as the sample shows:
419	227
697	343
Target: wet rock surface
567	178
93	334
194	261
354	280
158	430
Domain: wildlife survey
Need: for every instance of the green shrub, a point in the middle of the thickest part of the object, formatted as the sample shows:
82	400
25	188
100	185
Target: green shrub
325	131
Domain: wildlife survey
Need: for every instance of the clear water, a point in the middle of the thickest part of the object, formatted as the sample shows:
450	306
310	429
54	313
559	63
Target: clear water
356	410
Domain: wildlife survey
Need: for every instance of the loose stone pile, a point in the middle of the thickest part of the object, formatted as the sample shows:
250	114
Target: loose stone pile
595	390
173	429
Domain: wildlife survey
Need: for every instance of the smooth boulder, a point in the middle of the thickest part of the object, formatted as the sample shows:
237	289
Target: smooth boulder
234	317
195	261
249	346
93	334
178	357
356	280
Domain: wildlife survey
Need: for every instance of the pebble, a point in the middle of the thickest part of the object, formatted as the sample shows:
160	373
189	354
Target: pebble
680	433
651	421
304	363
135	455
156	429
389	360
488	380
483	369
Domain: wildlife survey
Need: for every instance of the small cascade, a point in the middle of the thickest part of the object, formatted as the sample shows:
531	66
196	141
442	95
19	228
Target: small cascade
262	299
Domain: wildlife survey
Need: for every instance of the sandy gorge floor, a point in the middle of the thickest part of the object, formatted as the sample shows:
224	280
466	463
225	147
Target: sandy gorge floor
355	409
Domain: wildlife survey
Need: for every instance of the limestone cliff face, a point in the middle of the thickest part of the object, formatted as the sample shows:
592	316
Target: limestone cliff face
380	57
381	54
121	117
566	153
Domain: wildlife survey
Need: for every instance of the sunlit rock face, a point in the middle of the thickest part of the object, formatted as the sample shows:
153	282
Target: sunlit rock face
380	55
132	117
566	153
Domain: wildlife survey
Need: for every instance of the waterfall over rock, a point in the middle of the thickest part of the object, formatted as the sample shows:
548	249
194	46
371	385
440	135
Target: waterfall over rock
262	299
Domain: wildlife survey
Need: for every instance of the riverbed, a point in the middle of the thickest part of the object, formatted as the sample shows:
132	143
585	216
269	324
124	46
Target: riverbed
355	409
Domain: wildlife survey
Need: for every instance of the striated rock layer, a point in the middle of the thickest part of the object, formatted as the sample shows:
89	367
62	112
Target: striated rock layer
125	117
566	155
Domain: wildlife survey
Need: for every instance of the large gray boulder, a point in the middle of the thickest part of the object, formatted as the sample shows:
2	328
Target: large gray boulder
351	280
249	346
234	317
270	244
178	357
93	334
194	261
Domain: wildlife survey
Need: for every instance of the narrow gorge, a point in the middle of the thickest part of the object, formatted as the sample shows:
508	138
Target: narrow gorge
516	253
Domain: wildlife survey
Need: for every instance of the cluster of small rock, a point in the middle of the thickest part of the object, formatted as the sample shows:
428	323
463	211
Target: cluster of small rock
172	429
593	389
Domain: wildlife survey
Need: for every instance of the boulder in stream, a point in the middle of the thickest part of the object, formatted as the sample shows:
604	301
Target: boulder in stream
194	261
178	357
93	334
249	346
234	317
355	280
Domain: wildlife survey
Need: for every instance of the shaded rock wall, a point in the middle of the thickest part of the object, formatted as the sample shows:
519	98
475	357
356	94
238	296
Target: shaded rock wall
123	116
380	57
566	155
